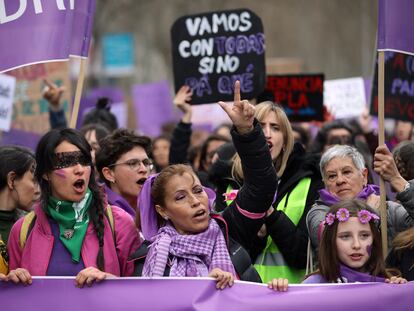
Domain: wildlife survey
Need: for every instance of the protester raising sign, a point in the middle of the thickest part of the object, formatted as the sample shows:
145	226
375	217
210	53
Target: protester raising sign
300	95
213	50
39	31
398	88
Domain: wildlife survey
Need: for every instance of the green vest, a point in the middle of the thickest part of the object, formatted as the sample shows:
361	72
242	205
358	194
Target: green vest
270	263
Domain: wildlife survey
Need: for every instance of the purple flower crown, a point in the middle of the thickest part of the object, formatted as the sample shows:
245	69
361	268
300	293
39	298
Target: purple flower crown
342	215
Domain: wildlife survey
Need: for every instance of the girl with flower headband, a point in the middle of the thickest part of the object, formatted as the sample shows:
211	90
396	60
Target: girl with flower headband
350	249
184	239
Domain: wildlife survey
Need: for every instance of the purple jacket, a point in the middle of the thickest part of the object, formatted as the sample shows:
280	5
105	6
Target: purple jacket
115	199
36	254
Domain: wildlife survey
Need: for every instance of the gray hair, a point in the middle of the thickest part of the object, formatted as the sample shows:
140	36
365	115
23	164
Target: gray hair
342	151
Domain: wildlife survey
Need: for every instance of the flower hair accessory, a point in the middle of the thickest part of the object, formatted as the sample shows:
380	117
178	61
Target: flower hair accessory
342	215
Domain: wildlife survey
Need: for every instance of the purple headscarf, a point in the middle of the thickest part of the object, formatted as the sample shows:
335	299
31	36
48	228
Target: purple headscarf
148	214
331	199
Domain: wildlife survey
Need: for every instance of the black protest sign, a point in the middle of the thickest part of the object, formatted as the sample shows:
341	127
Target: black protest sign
398	87
300	95
213	50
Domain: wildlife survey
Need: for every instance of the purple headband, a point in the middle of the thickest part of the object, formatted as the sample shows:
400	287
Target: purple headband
148	214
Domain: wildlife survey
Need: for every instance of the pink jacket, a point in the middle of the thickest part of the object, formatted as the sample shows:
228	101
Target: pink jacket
36	254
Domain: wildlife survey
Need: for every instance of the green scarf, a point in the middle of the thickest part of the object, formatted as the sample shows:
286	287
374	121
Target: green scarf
73	219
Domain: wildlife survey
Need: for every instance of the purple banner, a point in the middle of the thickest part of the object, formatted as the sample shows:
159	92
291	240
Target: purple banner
396	26
153	107
20	138
201	294
39	31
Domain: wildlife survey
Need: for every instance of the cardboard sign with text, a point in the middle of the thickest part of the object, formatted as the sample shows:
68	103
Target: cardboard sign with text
213	50
300	95
30	110
345	98
398	88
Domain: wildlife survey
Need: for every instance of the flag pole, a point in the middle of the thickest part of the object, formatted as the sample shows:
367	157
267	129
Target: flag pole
78	93
381	141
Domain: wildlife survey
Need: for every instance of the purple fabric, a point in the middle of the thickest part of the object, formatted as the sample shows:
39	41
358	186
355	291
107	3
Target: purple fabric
50	35
61	263
82	24
148	215
348	276
153	107
193	255
21	138
395	25
115	199
200	294
331	199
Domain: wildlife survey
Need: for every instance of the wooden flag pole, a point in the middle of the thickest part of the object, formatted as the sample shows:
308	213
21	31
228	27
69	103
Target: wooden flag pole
78	93
381	141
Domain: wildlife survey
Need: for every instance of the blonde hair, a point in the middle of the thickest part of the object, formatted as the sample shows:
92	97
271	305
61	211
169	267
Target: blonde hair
262	111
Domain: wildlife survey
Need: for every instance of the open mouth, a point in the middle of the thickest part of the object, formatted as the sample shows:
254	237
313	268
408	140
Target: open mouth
79	185
200	214
141	181
270	145
356	257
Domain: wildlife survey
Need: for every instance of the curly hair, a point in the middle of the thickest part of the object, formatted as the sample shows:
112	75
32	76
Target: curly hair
115	145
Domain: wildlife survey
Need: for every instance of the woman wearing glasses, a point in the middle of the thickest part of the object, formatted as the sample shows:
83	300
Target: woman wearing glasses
124	165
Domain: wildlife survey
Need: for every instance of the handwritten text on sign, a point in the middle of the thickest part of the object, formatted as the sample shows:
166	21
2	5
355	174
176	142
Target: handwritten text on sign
213	50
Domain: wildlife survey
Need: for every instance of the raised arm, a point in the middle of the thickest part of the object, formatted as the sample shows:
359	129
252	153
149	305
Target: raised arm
180	140
246	214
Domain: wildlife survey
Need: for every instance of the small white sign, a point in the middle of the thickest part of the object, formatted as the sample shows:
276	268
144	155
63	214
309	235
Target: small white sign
344	98
7	86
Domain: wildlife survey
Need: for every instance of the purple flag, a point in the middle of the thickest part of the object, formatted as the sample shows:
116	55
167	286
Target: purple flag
201	294
40	31
396	26
153	106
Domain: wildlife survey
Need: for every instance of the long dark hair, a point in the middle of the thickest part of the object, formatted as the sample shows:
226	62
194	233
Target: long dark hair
44	158
329	263
14	159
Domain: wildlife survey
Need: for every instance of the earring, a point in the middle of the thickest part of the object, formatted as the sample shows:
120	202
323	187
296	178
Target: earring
165	218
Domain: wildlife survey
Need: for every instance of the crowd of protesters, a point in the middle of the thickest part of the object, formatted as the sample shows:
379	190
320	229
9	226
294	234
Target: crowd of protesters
255	200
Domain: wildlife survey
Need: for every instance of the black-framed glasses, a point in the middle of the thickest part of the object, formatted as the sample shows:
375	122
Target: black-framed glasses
134	164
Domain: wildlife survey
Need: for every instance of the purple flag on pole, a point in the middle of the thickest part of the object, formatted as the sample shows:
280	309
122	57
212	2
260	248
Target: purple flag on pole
40	31
396	25
201	294
153	106
21	138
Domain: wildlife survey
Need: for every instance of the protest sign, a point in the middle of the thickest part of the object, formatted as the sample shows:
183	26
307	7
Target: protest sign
344	98
213	50
118	54
201	294
300	95
153	106
30	110
33	32
398	87
7	84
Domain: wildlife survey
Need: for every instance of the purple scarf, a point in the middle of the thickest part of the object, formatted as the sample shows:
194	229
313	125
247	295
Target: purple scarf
331	199
193	255
351	276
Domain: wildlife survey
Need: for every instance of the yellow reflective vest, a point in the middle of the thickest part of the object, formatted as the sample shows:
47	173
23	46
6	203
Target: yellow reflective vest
270	263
